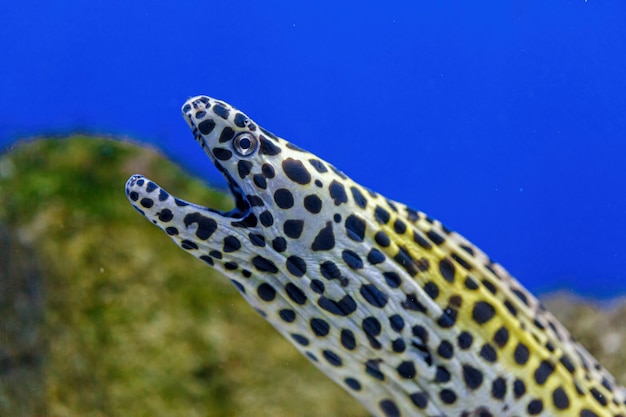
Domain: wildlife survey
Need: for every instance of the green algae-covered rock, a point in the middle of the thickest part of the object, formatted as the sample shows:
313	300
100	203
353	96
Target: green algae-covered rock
134	326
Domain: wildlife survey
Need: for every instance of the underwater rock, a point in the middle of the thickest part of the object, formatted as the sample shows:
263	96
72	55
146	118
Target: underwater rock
22	347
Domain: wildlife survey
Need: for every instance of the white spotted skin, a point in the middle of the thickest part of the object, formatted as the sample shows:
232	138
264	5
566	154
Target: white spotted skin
407	316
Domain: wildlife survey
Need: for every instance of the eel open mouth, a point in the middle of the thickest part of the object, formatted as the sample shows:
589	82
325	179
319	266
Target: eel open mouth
242	204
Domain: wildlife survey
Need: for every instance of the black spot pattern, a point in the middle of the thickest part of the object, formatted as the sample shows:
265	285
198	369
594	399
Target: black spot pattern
371	326
353	383
295	294
397	322
465	340
398	345
482	312
222	154
435	237
319	327
521	354
598	396
355	228
243	168
389	408
488	353
473	377
266	292
264	265
421	241
318	165
268	148
279	244
259	181
373	295
419	399
188	244
442	375
165	215
313	204
296	172
317	286
134	196
382	239
399	227
405	261
542	373
296	265
445	350
411	303
352	259
372	368
240	120
325	239
470	283
337	192
257	240
283	198
206	126
231	244
501	337
406	369
332	358
358	197
227	134
447	270
392	279
347	339
535	407
205	226
431	289
382	216
301	340
447	396
293	228
221	111
268	171
447	319
344	307
498	388
375	257
560	399
266	218
287	315
329	270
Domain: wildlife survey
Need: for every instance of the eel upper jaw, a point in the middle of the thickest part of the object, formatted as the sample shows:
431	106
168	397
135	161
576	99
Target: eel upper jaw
242	205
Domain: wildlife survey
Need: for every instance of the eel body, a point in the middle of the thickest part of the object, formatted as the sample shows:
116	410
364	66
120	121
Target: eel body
406	315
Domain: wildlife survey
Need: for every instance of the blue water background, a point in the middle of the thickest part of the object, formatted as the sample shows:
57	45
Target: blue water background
504	119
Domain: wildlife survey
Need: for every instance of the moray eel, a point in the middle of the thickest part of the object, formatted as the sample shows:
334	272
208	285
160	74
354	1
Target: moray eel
407	316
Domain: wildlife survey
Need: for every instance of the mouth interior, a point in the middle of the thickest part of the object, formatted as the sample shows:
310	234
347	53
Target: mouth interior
242	205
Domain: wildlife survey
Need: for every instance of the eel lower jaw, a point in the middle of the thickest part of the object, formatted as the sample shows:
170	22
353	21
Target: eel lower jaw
149	199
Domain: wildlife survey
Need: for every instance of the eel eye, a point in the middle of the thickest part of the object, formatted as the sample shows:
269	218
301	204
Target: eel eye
245	143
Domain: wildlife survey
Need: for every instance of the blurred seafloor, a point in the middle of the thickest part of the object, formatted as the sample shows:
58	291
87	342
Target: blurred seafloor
103	316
